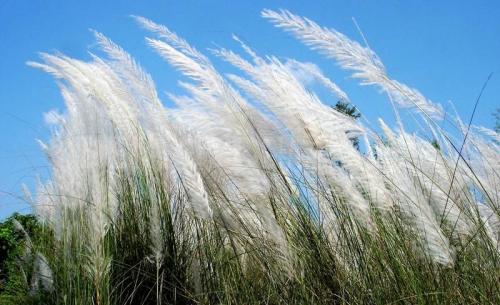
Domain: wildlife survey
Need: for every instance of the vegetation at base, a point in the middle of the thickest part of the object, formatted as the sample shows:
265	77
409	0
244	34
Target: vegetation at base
16	261
203	268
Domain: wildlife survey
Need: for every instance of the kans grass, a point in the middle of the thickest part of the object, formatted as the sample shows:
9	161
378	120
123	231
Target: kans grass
250	191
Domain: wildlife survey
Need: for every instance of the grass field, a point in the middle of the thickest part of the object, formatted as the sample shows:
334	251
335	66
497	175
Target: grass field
250	190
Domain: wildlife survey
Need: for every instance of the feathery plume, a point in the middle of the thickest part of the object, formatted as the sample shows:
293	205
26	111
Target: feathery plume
364	63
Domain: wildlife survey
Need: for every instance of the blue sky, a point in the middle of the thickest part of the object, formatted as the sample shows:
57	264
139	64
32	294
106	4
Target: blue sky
446	49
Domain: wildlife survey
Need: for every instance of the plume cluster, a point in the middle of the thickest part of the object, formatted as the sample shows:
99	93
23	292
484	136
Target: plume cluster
249	160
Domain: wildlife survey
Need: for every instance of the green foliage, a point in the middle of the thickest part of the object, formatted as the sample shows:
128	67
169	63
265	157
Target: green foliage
16	263
497	120
12	241
436	145
349	110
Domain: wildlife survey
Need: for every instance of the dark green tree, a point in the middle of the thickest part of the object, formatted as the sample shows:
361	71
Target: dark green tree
17	233
349	110
497	120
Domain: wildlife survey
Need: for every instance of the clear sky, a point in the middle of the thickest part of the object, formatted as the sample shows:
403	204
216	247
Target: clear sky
446	49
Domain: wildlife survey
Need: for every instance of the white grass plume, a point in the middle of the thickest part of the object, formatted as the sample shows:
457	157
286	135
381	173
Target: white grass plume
350	55
312	124
232	157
